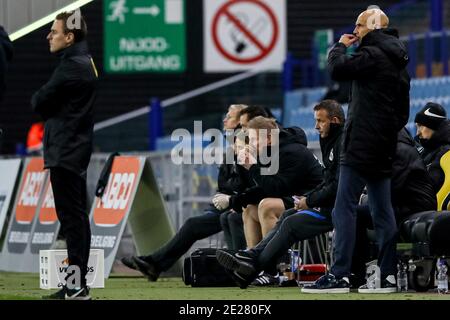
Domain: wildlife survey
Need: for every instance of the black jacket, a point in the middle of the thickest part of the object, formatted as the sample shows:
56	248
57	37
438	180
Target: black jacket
6	52
299	172
412	187
324	195
66	103
379	102
433	149
232	179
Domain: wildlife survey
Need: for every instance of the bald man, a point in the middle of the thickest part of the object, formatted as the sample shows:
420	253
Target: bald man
378	109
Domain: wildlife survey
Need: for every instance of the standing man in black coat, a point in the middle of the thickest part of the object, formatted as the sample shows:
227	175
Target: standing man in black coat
378	109
66	104
6	51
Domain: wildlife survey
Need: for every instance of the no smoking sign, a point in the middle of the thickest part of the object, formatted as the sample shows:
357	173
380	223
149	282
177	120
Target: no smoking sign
244	34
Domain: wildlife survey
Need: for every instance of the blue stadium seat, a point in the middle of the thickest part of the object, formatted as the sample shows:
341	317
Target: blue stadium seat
299	103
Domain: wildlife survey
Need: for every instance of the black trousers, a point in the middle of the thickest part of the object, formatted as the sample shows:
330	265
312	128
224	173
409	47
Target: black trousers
233	230
293	226
69	191
193	229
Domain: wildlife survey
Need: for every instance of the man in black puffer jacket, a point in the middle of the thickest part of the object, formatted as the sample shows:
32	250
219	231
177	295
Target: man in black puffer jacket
297	172
433	134
378	109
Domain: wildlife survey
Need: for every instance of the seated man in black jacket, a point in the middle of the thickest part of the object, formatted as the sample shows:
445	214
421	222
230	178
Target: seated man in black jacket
312	213
231	179
433	133
292	169
231	221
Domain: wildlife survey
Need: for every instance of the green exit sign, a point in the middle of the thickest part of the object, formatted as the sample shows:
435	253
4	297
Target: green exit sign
144	36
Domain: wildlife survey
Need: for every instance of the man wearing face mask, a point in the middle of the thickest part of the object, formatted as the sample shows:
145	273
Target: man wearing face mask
433	134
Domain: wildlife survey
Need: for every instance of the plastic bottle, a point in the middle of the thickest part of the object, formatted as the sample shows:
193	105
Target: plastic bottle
442	277
402	277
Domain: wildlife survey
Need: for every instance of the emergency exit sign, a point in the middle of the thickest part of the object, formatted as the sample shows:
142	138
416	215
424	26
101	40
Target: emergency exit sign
144	36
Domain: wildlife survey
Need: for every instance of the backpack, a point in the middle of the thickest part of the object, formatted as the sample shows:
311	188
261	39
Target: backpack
201	269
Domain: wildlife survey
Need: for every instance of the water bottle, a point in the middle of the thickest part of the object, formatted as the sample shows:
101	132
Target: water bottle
402	277
442	277
296	261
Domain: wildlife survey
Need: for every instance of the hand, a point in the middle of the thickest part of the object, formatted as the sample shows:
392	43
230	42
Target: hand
221	201
246	157
348	39
300	203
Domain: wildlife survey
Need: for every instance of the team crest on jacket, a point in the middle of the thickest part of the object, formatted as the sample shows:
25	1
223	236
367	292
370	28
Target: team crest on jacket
331	157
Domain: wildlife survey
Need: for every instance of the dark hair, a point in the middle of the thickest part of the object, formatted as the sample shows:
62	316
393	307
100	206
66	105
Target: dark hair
333	108
253	112
79	31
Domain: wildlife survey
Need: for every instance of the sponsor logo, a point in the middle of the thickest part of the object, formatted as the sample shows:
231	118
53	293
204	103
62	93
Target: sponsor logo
431	114
47	215
32	183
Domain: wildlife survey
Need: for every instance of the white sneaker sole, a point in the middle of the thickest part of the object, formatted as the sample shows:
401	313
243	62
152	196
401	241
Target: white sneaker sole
379	290
334	290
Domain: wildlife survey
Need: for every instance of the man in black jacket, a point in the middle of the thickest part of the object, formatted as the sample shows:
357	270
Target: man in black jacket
433	133
291	169
66	103
231	179
312	213
6	51
378	109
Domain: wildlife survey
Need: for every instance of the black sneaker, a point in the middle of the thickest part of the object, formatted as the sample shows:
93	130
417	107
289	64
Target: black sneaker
58	295
245	255
388	285
265	279
242	270
328	284
147	268
129	262
78	294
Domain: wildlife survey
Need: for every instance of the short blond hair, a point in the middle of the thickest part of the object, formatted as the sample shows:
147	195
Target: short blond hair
260	122
237	107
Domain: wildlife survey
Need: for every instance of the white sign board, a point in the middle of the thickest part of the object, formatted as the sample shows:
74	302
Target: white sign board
244	34
9	171
53	266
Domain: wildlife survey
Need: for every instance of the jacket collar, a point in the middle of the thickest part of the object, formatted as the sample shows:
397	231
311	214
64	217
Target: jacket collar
77	49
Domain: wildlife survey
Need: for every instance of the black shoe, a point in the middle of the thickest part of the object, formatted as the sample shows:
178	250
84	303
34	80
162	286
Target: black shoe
242	270
245	255
328	284
388	285
265	279
58	295
129	262
78	294
147	268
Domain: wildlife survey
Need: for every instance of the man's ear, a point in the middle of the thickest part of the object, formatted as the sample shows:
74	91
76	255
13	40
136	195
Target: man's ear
335	120
70	37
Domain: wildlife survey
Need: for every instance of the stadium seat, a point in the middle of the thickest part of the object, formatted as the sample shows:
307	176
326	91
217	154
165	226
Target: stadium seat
429	235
